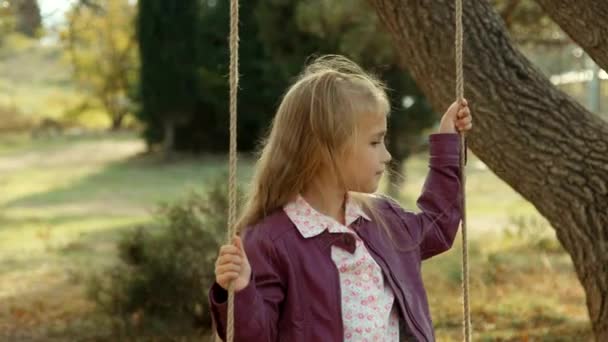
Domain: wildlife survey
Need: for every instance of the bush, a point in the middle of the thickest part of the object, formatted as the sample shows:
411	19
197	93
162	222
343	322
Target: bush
531	231
11	120
166	269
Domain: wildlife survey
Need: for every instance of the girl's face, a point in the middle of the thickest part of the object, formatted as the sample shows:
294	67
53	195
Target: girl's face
367	159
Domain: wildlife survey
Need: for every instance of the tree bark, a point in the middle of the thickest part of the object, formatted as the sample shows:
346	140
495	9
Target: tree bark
543	144
585	22
117	121
28	17
168	139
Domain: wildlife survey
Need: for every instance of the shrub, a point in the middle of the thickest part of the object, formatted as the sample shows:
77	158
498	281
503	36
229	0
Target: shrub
166	269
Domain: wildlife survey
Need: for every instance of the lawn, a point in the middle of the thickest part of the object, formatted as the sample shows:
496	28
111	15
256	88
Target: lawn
66	200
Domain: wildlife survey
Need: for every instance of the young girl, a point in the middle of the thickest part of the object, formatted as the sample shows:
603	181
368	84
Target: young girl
319	256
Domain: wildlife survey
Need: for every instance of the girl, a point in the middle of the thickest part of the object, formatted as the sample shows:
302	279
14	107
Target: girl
319	256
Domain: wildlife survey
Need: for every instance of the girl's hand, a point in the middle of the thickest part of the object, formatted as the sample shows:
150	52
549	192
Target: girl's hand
232	264
457	117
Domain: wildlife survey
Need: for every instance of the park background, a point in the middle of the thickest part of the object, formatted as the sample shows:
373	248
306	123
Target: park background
113	158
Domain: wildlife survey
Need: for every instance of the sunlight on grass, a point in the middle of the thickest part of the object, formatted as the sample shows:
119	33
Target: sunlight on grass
37	233
67	200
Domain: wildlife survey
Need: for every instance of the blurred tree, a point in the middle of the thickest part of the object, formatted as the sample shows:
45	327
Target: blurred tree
168	33
29	21
528	24
7	19
536	35
537	139
271	57
101	46
585	23
207	129
259	86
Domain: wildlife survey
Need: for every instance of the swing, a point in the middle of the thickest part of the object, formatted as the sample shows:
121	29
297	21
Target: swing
232	159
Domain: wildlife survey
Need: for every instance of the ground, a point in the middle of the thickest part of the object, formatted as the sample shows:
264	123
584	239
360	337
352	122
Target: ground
66	200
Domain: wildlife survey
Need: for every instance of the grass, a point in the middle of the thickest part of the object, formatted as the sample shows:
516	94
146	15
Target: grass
516	295
64	204
66	201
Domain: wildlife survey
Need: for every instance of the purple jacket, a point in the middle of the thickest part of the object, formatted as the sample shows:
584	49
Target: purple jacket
294	292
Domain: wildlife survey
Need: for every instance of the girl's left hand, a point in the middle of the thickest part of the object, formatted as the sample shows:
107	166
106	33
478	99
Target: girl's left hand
457	118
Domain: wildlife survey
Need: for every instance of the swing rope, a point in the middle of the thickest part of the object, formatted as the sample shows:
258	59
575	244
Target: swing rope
234	82
234	72
459	97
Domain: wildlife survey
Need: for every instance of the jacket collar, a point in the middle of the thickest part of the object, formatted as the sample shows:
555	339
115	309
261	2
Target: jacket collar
309	222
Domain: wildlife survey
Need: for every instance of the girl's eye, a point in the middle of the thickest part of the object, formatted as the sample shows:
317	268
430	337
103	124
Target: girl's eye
383	141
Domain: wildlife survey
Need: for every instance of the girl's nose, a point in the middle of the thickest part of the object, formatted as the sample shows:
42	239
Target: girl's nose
388	158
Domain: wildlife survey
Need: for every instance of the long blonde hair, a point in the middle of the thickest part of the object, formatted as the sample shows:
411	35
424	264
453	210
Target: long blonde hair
317	117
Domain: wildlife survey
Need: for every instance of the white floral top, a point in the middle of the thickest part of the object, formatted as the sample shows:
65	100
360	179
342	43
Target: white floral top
368	313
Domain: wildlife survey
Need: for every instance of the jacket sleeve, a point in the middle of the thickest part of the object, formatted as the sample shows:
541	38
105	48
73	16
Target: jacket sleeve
434	228
256	307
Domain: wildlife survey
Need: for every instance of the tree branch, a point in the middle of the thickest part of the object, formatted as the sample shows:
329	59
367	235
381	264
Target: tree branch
507	12
585	21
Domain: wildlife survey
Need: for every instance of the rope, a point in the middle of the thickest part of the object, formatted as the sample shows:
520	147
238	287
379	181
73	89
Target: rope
234	81
459	96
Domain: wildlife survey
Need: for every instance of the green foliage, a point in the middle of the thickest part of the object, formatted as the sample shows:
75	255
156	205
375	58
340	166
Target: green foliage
7	19
168	34
276	40
165	270
12	121
29	20
527	22
100	44
259	84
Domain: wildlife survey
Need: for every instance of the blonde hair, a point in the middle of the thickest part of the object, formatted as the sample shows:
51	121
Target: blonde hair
317	117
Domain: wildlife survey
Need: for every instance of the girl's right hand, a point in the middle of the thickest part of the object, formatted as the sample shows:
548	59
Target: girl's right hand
232	264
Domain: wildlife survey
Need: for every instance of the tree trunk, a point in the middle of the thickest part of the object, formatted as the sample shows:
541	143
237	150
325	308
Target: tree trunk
585	21
28	17
543	144
117	121
168	139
